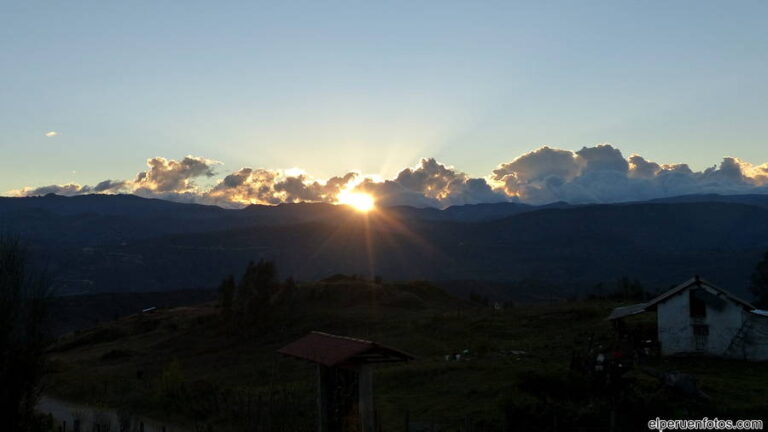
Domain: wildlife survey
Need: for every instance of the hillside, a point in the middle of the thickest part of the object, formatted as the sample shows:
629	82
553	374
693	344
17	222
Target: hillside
574	248
77	312
94	243
187	366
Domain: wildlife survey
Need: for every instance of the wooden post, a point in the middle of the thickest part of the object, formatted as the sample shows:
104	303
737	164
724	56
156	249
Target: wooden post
365	404
322	399
407	421
612	419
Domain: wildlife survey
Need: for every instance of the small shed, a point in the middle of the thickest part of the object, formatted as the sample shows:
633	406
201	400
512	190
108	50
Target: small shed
700	317
344	377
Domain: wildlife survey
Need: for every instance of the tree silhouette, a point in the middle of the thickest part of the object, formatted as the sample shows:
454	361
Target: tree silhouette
22	336
759	286
227	294
257	286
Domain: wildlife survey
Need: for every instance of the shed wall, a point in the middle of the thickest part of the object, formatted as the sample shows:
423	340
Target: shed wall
675	332
676	327
756	347
723	326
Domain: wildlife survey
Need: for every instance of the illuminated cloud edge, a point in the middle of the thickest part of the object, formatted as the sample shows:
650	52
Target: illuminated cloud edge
598	174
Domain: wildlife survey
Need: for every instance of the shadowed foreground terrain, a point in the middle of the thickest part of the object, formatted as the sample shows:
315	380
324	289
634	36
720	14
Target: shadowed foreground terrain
191	366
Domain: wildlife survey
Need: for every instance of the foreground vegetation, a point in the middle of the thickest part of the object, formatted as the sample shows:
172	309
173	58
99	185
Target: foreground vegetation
23	336
215	366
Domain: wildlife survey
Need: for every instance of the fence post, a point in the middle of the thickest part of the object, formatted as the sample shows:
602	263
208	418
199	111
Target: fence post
612	419
407	421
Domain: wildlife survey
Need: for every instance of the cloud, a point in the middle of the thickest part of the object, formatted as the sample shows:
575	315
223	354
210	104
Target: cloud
51	134
69	189
531	176
113	186
641	168
432	184
261	186
601	174
391	193
166	176
429	184
597	174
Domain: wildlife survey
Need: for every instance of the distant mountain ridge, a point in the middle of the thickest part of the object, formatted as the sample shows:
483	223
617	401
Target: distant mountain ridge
119	243
132	205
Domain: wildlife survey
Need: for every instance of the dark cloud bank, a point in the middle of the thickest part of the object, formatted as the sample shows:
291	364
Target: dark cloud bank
599	174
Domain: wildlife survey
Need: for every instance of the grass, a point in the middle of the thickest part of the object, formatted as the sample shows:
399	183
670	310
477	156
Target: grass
184	364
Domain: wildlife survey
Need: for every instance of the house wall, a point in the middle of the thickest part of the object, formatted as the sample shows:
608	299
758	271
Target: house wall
675	325
723	326
756	347
675	332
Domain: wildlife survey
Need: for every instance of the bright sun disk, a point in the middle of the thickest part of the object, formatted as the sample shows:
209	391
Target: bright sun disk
360	201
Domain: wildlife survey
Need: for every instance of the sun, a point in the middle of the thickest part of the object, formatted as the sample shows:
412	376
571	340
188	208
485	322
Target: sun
360	201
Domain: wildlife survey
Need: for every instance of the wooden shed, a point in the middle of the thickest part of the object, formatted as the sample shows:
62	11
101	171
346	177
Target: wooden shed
698	317
344	377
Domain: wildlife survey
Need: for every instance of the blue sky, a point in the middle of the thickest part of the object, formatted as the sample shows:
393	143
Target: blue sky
373	86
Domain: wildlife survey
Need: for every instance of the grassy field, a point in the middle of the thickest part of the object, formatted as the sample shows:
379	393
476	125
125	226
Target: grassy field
192	366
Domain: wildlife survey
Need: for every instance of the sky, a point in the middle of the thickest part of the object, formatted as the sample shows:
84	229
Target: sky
93	91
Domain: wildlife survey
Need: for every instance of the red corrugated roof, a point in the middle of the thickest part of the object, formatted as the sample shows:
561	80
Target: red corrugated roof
332	350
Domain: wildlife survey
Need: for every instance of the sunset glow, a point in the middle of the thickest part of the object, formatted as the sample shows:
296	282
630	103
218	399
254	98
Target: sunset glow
360	201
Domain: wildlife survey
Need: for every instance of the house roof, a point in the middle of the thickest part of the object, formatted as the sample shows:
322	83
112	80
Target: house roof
332	350
703	284
624	311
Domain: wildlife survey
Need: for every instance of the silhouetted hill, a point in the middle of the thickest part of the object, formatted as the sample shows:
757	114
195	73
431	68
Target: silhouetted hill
107	205
576	247
71	313
464	213
123	243
749	199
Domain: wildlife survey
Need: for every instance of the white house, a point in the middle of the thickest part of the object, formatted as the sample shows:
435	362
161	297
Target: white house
699	317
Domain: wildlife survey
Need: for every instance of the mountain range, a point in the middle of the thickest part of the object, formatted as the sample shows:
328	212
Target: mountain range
124	243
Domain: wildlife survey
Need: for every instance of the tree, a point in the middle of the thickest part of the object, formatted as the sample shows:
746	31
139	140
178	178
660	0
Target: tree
629	289
288	291
759	286
226	294
23	336
257	286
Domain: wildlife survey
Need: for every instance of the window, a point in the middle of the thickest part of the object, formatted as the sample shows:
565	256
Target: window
700	336
697	307
701	330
